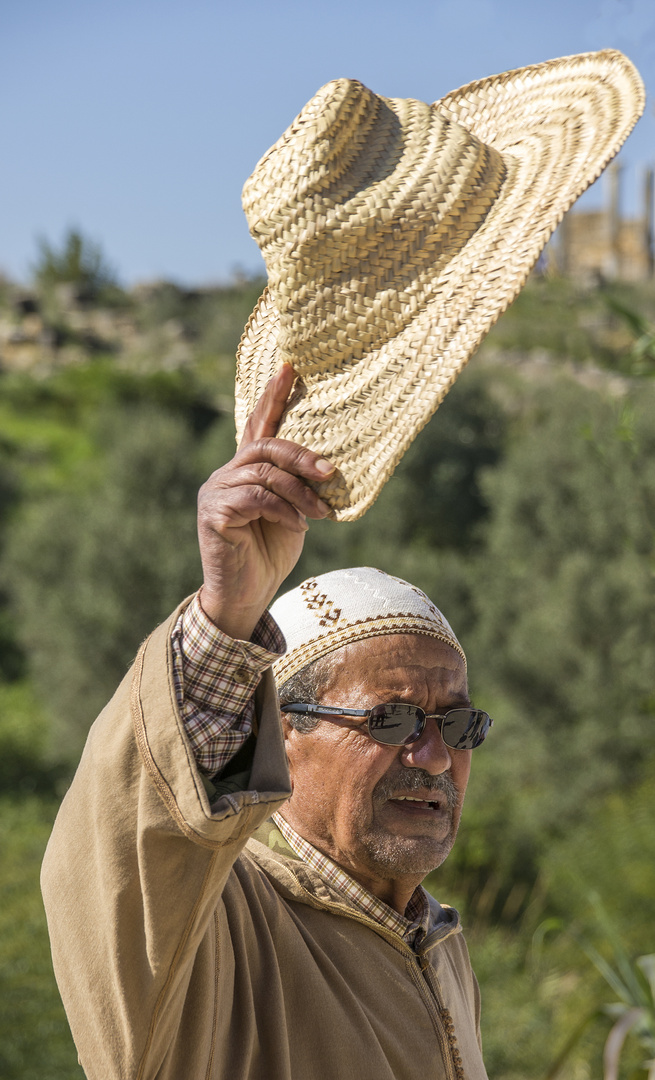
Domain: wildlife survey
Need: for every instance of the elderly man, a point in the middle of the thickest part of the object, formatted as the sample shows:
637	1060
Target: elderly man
194	935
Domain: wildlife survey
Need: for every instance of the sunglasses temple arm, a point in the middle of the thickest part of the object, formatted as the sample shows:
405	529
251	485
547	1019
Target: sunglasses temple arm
324	710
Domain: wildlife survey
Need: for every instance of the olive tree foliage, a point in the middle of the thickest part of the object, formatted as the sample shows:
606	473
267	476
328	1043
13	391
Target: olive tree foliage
92	568
565	619
11	661
561	645
78	261
35	1039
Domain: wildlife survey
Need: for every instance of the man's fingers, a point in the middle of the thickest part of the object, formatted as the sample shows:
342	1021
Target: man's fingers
285	484
253	503
239	488
268	480
288	456
265	418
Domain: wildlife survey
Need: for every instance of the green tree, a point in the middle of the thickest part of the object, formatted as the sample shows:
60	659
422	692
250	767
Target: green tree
11	657
94	567
79	262
565	590
35	1041
639	357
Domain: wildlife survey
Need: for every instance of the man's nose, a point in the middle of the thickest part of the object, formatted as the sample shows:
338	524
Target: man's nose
429	752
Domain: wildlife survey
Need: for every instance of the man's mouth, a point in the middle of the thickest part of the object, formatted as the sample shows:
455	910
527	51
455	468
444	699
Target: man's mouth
414	790
412	804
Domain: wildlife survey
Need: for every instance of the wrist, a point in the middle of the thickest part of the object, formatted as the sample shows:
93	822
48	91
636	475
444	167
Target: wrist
233	619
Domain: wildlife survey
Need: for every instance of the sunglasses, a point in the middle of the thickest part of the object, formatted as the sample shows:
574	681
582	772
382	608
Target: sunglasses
397	724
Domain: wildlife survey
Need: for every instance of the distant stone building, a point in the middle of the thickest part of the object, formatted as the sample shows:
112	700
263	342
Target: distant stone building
598	245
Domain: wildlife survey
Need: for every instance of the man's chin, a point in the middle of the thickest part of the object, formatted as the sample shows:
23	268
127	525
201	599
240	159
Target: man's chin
393	855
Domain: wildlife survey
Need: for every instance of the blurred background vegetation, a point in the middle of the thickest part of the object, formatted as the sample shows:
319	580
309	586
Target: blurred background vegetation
525	508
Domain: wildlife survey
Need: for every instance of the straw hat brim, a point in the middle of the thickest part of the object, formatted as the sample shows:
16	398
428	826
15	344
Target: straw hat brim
556	125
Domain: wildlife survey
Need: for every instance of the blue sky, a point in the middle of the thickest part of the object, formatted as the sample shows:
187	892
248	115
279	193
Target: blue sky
139	120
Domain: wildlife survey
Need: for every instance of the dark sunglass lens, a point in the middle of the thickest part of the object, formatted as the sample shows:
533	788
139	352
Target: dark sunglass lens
464	729
395	724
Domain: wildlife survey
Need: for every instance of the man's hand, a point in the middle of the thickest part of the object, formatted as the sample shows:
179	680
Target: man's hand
252	516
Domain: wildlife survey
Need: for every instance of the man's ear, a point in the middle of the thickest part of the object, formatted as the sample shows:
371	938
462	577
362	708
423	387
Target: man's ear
288	734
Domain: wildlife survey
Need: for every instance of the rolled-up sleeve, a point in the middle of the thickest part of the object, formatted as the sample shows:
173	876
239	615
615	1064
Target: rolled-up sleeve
215	681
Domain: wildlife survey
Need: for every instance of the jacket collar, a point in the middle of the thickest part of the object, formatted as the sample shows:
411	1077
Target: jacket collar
295	880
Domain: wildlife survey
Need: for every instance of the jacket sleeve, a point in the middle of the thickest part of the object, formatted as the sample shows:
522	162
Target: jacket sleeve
137	861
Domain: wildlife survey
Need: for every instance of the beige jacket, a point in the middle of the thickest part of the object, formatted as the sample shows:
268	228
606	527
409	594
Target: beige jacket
187	948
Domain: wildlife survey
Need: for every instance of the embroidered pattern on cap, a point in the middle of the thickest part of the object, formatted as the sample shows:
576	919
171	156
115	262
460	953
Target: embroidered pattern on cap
315	599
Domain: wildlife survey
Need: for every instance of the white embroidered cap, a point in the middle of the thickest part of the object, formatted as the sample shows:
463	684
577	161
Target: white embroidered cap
343	606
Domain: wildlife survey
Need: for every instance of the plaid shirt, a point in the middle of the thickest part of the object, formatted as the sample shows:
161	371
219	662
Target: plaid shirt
215	680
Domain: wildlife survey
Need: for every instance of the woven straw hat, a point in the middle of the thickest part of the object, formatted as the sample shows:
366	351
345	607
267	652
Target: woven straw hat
395	233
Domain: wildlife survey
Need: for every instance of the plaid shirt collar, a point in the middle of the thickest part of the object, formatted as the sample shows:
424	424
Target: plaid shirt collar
412	927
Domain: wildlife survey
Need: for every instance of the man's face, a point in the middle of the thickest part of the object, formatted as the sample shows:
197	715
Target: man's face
346	787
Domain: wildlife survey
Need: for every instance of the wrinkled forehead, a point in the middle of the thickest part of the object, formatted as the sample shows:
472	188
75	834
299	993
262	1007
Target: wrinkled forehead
337	609
397	667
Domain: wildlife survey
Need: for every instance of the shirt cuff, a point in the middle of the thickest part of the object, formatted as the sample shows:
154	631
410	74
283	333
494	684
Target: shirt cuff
220	672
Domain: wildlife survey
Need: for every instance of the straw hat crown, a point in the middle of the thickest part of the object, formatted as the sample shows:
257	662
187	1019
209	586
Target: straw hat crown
355	209
396	232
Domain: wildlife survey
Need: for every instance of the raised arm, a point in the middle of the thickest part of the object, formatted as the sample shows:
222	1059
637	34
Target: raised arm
138	857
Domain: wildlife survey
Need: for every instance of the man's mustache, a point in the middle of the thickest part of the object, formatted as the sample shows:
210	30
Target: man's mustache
412	780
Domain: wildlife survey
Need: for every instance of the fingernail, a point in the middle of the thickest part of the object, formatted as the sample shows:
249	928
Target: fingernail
324	467
324	506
